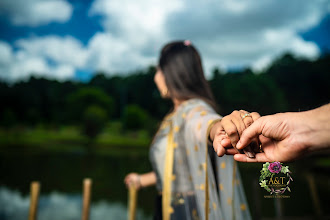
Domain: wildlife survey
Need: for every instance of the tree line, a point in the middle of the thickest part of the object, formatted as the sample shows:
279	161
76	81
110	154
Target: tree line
288	84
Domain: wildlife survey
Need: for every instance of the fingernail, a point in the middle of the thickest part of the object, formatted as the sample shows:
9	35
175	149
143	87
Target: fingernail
250	154
222	142
218	151
238	145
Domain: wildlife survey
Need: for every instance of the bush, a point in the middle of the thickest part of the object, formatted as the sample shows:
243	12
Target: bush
86	97
94	120
135	117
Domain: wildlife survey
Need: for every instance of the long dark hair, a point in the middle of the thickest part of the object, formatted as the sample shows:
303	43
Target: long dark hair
181	65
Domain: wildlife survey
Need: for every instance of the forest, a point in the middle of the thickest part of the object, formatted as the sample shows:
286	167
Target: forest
133	102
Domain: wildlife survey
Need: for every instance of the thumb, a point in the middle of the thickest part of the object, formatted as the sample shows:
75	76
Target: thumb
253	131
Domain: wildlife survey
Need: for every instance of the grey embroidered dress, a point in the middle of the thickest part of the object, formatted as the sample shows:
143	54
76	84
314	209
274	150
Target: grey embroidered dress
193	185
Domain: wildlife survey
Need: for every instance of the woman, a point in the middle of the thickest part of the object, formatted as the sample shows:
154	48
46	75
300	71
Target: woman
193	183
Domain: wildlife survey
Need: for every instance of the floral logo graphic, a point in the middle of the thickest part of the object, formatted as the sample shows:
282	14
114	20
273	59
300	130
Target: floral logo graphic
275	167
275	178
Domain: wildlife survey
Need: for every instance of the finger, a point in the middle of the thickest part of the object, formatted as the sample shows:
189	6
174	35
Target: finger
255	142
239	122
217	146
255	115
226	142
247	118
220	151
127	181
248	151
236	118
250	133
260	157
231	130
127	184
231	151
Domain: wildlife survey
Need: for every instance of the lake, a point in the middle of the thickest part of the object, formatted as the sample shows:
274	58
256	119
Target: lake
61	176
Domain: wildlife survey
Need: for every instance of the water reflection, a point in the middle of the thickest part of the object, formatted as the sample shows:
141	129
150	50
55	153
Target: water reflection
59	206
64	172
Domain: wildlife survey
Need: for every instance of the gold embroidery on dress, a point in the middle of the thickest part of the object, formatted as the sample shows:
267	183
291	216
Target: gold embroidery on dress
223	165
199	125
196	148
229	201
203	113
214	206
181	201
202	166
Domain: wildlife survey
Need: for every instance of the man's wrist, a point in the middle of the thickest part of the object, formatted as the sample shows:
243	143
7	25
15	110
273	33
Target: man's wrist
317	128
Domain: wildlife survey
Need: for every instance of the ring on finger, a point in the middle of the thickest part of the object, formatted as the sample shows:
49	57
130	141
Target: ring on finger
246	115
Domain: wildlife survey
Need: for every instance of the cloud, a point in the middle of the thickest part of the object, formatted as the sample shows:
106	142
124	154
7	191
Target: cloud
6	53
140	25
108	53
35	12
62	50
57	57
228	33
246	33
21	64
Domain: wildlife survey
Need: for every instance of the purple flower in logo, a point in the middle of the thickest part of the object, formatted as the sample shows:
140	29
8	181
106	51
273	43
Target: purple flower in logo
275	167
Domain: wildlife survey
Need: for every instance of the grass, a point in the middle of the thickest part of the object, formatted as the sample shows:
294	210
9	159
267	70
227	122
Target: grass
113	140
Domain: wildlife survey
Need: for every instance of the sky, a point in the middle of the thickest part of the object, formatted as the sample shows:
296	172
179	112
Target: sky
74	39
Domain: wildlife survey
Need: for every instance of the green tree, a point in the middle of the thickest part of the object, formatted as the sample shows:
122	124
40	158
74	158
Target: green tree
8	118
249	91
305	83
94	120
134	117
80	100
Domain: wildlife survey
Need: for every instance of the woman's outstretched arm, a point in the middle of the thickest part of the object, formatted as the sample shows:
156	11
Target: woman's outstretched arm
140	180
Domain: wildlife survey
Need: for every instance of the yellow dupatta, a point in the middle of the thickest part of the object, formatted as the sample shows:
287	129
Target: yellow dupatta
168	172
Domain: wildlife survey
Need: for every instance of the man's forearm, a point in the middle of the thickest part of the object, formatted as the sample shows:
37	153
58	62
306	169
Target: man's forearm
318	120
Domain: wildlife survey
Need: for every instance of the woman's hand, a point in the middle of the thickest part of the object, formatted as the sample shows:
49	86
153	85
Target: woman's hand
133	179
226	133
